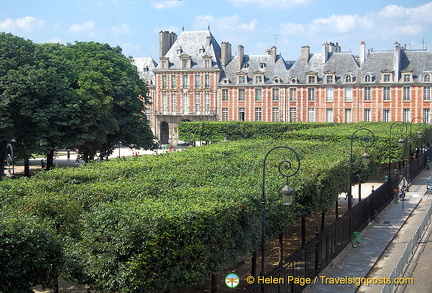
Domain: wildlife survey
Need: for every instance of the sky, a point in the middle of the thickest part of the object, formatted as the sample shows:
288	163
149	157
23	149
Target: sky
134	25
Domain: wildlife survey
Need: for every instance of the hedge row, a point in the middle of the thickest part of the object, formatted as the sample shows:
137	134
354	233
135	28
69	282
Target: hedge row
150	224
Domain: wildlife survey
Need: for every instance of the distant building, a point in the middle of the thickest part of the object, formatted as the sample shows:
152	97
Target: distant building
198	80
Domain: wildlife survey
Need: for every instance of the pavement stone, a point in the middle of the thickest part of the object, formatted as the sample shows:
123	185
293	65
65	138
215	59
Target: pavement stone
382	244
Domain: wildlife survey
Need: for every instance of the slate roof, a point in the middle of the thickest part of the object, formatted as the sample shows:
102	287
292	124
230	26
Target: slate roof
193	44
271	70
339	63
145	66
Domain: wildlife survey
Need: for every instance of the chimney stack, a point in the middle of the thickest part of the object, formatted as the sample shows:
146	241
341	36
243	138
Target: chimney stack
166	40
225	53
362	52
273	54
325	52
240	56
396	61
208	40
305	51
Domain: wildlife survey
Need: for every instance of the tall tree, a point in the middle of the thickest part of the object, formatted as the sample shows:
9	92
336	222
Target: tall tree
110	87
16	59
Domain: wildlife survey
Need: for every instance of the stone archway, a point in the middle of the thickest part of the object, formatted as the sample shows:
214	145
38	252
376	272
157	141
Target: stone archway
164	133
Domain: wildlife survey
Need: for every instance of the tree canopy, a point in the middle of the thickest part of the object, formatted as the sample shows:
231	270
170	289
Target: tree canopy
85	95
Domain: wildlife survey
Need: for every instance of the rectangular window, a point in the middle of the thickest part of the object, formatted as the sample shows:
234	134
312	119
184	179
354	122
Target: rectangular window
386	115
329	94
197	81
329	115
275	94
185	81
348	94
329	78
311	78
173	81
293	114
207	81
386	77
406	115
406	94
386	93
207	103
197	103
258	114
258	79
348	116
258	95
426	93
242	79
242	114
224	94
241	94
224	114
276	114
293	94
367	115
406	77
173	103
367	91
311	115
426	113
184	63
311	94
164	82
185	103
164	103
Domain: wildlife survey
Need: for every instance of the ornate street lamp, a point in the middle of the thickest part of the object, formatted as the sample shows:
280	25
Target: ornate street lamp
365	141
419	135
286	169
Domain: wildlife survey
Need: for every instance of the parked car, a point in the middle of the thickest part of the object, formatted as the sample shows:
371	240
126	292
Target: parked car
183	143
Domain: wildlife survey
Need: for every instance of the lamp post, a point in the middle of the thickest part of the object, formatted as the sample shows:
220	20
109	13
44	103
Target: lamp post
401	141
419	135
9	159
286	169
365	141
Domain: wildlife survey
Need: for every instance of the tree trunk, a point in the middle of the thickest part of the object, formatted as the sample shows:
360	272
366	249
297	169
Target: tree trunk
27	167
50	159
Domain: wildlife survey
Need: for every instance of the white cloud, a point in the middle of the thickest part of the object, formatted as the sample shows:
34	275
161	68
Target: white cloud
229	23
120	29
341	23
166	4
83	28
27	24
281	4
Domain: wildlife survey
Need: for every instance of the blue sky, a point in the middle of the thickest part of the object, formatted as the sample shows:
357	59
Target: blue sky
256	24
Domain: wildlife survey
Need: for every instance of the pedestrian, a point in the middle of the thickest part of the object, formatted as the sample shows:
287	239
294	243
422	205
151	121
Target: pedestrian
42	163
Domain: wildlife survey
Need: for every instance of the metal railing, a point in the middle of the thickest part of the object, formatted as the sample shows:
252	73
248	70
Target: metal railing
319	252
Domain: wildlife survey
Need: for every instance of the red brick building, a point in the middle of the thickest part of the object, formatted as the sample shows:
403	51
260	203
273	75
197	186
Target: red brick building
196	79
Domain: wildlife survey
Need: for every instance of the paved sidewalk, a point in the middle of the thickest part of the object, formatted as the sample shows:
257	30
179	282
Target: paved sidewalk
378	253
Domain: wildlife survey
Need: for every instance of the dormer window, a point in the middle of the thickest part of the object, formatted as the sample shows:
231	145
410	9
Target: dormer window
293	80
386	75
258	79
245	65
407	76
179	50
349	78
262	65
145	69
427	77
277	80
368	78
242	79
164	64
207	62
185	61
311	77
202	50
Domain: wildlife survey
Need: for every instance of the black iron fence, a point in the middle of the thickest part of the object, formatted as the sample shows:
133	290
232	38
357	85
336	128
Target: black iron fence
317	253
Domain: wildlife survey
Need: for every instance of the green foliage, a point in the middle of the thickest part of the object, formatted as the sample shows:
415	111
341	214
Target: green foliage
221	131
179	217
30	255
